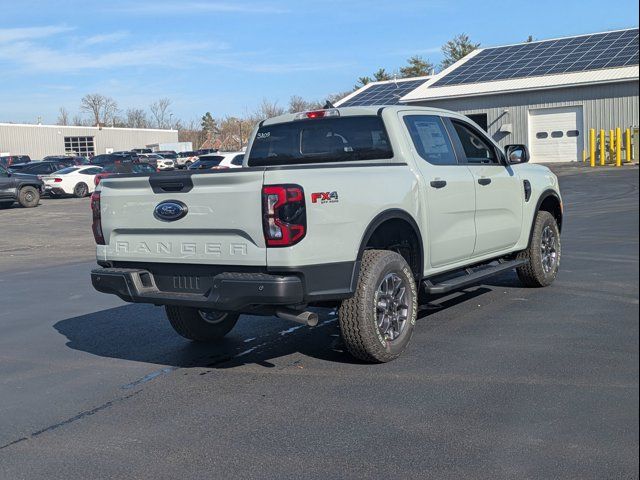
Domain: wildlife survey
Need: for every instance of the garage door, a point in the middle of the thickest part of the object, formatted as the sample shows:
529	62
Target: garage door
555	134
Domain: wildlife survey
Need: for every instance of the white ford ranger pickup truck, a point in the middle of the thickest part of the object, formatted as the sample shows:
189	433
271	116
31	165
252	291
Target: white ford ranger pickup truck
366	209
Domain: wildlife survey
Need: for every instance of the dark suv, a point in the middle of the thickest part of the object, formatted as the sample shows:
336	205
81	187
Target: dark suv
109	158
44	167
18	187
7	161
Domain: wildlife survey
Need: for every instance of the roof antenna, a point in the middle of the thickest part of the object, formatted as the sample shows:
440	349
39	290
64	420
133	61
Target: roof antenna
328	105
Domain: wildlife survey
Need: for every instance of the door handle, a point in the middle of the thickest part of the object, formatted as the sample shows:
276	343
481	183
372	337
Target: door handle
438	183
484	181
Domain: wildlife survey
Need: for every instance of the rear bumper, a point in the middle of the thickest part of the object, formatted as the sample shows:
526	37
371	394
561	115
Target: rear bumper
226	288
226	291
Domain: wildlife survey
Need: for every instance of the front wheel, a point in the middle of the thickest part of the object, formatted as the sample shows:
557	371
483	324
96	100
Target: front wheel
200	325
378	321
543	253
28	197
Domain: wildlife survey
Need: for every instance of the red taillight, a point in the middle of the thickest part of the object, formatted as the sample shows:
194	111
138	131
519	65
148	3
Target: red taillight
284	215
96	226
57	180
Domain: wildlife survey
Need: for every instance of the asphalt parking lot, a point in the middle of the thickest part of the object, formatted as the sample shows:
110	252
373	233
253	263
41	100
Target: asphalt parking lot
499	381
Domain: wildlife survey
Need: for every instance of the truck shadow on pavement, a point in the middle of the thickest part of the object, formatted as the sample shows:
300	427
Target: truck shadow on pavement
142	333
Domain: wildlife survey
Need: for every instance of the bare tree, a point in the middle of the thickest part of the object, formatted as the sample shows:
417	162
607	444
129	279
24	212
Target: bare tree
63	117
267	109
299	104
160	111
136	118
101	108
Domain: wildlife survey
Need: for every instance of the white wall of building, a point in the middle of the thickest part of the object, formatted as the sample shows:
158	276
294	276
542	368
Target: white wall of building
38	141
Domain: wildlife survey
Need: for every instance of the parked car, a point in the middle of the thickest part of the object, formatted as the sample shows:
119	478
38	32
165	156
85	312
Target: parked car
168	160
108	158
354	208
206	151
149	158
142	150
19	187
77	181
7	161
44	167
217	161
186	159
67	160
123	168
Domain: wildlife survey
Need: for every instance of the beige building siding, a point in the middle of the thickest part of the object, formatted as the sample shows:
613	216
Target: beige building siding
603	107
38	141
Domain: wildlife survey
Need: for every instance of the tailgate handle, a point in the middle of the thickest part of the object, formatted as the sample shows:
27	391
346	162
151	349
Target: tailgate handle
172	187
171	182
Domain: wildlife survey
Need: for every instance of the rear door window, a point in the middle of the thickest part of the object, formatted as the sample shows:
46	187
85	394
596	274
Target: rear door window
430	138
320	140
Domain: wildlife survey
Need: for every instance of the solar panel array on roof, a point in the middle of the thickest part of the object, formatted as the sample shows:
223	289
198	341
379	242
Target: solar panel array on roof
574	54
383	93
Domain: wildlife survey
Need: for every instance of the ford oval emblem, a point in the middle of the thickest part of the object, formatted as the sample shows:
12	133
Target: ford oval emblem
170	210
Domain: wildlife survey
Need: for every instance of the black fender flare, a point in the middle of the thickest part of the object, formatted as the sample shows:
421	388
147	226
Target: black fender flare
392	214
543	196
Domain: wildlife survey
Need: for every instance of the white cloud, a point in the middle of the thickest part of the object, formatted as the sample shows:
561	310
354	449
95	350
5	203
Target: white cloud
36	58
31	33
106	38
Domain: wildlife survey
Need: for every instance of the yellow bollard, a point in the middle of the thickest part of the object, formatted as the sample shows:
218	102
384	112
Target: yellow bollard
603	152
592	146
627	145
612	144
618	147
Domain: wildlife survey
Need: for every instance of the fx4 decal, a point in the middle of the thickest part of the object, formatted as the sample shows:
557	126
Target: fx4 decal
324	197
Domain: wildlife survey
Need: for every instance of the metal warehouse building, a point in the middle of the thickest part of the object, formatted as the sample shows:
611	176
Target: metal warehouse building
547	94
38	141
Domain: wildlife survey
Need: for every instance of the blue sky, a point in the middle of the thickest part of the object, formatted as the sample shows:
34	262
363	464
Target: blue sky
226	56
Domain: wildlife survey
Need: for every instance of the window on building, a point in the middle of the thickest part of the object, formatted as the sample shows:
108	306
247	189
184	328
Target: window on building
481	119
542	135
82	146
573	133
557	134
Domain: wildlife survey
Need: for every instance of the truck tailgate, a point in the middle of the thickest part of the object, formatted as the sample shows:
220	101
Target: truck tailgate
222	226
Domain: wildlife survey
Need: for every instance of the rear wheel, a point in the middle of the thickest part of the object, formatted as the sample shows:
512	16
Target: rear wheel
378	321
28	197
200	325
543	254
81	190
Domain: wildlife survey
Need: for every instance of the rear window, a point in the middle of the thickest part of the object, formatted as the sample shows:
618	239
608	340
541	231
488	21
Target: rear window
321	140
67	170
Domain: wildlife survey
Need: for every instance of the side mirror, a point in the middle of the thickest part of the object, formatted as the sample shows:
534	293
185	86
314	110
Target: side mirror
517	154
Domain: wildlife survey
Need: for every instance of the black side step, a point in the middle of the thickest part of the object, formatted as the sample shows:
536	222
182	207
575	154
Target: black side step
470	277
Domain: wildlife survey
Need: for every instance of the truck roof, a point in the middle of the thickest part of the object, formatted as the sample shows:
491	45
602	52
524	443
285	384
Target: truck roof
365	110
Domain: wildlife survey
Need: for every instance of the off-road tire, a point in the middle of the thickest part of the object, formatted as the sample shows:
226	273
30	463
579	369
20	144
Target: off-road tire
533	274
357	315
28	197
81	190
188	322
